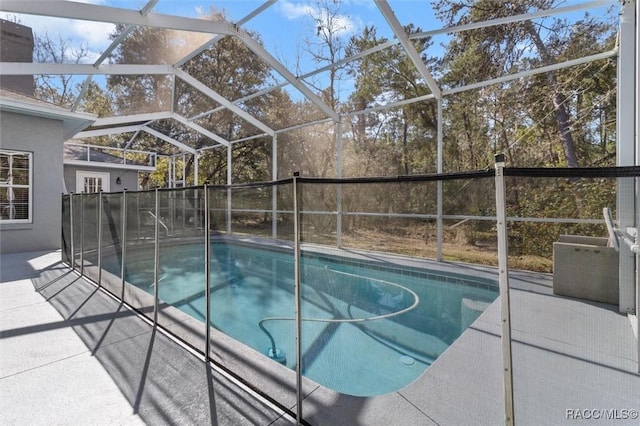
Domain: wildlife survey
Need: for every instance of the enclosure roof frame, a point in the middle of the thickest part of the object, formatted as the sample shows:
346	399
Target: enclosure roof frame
145	17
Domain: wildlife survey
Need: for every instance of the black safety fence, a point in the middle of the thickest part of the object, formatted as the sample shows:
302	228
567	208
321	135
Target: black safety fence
325	294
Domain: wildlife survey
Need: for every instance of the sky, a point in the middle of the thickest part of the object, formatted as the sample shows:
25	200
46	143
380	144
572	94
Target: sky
284	27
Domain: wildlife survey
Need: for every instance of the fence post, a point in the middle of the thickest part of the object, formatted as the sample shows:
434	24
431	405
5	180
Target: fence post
62	221
73	253
207	273
229	160
503	275
274	191
339	186
439	189
156	256
100	208
82	234
298	296
123	244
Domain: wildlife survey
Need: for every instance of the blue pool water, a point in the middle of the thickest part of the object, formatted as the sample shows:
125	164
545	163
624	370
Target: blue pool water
367	329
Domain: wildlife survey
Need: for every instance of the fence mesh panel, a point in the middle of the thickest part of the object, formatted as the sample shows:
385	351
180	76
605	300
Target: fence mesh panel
181	264
375	314
139	256
572	323
76	207
90	224
112	244
374	306
66	229
251	284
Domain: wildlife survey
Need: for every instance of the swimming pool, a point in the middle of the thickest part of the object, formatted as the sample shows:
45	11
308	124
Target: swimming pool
368	328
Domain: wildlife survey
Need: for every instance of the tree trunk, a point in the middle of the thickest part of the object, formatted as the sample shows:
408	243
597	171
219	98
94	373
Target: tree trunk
468	133
405	146
562	117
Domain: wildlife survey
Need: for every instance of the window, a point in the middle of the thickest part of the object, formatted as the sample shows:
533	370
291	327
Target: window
15	186
92	181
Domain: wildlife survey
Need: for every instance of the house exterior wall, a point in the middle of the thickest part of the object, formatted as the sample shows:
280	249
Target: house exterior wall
128	178
42	137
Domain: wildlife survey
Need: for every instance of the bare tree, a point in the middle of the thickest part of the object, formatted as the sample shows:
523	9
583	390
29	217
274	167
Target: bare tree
327	44
57	89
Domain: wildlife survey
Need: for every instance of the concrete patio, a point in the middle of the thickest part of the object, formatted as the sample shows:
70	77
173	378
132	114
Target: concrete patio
70	354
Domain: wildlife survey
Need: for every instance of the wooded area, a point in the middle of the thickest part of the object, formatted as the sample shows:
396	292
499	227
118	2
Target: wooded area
561	118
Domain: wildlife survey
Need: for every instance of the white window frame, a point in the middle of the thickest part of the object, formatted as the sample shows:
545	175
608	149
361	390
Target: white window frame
9	184
82	174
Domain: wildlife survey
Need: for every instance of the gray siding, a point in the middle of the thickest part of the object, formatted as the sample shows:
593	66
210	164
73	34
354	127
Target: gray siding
128	178
42	137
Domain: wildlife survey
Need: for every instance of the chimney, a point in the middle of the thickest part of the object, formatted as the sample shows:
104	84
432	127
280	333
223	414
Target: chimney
16	45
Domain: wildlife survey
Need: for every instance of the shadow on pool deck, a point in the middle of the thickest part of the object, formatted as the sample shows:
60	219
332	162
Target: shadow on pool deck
567	354
161	381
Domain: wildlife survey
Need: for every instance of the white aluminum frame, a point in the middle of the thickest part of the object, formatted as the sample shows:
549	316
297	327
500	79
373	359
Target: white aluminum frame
626	152
152	156
146	17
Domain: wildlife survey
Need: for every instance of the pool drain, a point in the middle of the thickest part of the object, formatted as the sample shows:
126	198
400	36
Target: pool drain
407	360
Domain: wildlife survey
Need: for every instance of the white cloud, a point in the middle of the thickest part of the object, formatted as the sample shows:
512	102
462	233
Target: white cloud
341	25
293	11
95	35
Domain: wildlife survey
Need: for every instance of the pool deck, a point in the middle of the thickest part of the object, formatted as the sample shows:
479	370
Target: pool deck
70	354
